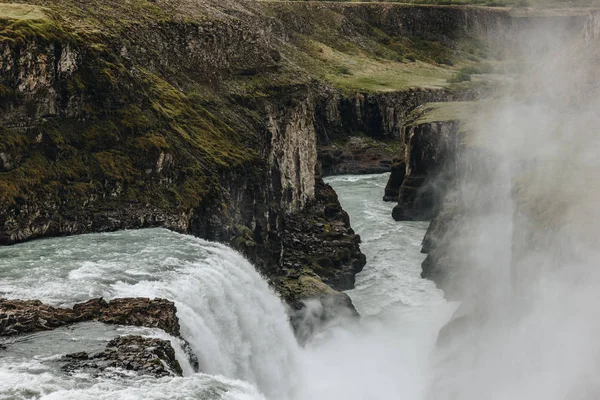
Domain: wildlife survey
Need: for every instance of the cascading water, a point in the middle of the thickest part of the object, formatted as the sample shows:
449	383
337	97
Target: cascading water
234	323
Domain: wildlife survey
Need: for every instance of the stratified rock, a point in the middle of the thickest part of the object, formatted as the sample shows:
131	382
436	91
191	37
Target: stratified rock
18	316
145	356
157	313
23	316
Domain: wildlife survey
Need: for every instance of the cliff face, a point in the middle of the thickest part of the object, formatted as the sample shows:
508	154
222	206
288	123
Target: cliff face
363	134
429	149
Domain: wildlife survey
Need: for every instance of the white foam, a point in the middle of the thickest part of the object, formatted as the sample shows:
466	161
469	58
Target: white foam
233	321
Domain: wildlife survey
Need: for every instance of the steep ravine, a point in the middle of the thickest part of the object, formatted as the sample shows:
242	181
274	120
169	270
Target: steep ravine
207	118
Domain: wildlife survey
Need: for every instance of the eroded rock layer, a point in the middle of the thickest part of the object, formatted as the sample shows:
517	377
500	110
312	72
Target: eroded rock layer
23	316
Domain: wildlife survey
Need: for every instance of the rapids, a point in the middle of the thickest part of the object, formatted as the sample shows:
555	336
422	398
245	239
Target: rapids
233	321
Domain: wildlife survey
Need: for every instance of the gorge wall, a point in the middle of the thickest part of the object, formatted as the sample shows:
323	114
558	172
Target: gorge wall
457	182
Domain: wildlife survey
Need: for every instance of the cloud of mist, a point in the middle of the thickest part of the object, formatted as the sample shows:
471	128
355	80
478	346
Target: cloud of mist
529	247
381	357
525	255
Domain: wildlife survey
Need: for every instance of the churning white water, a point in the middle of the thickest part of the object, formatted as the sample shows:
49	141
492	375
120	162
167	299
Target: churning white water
393	249
387	354
233	321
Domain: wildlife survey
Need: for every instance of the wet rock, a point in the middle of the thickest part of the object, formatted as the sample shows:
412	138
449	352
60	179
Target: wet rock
23	316
392	189
321	257
319	312
144	356
320	241
18	316
157	313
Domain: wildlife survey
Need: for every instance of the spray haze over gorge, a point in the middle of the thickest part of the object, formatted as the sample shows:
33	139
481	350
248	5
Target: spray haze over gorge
173	224
528	238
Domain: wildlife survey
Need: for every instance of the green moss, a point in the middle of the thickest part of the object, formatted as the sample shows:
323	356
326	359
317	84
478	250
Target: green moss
127	122
8	190
45	31
116	166
22	12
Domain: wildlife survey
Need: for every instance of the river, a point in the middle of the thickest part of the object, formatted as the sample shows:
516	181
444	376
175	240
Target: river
233	321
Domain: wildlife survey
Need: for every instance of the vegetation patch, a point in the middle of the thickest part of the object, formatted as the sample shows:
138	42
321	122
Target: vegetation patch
22	12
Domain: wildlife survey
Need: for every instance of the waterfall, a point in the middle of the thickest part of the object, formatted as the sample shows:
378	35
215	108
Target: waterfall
233	321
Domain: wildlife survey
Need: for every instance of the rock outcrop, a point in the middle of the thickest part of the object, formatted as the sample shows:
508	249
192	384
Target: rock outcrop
24	316
430	149
322	255
144	356
380	119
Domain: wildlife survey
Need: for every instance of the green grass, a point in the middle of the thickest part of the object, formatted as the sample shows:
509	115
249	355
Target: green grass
384	63
22	12
448	111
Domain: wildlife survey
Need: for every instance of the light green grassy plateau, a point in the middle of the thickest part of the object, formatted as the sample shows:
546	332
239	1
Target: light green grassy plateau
22	12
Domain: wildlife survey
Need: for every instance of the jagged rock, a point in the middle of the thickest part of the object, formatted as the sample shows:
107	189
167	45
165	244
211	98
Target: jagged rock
22	316
430	151
145	356
321	241
392	189
157	313
321	257
17	316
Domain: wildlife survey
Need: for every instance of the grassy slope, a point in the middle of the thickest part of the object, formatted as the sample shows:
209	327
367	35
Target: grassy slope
22	11
376	62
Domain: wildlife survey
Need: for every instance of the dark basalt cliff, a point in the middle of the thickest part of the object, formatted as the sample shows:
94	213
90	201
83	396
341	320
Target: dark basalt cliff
362	134
429	152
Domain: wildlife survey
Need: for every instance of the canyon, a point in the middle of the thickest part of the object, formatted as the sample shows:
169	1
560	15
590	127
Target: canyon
222	119
211	124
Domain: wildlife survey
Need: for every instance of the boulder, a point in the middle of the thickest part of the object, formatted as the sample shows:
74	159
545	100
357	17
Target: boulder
145	356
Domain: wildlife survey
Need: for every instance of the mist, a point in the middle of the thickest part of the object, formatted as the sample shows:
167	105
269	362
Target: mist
525	259
528	248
